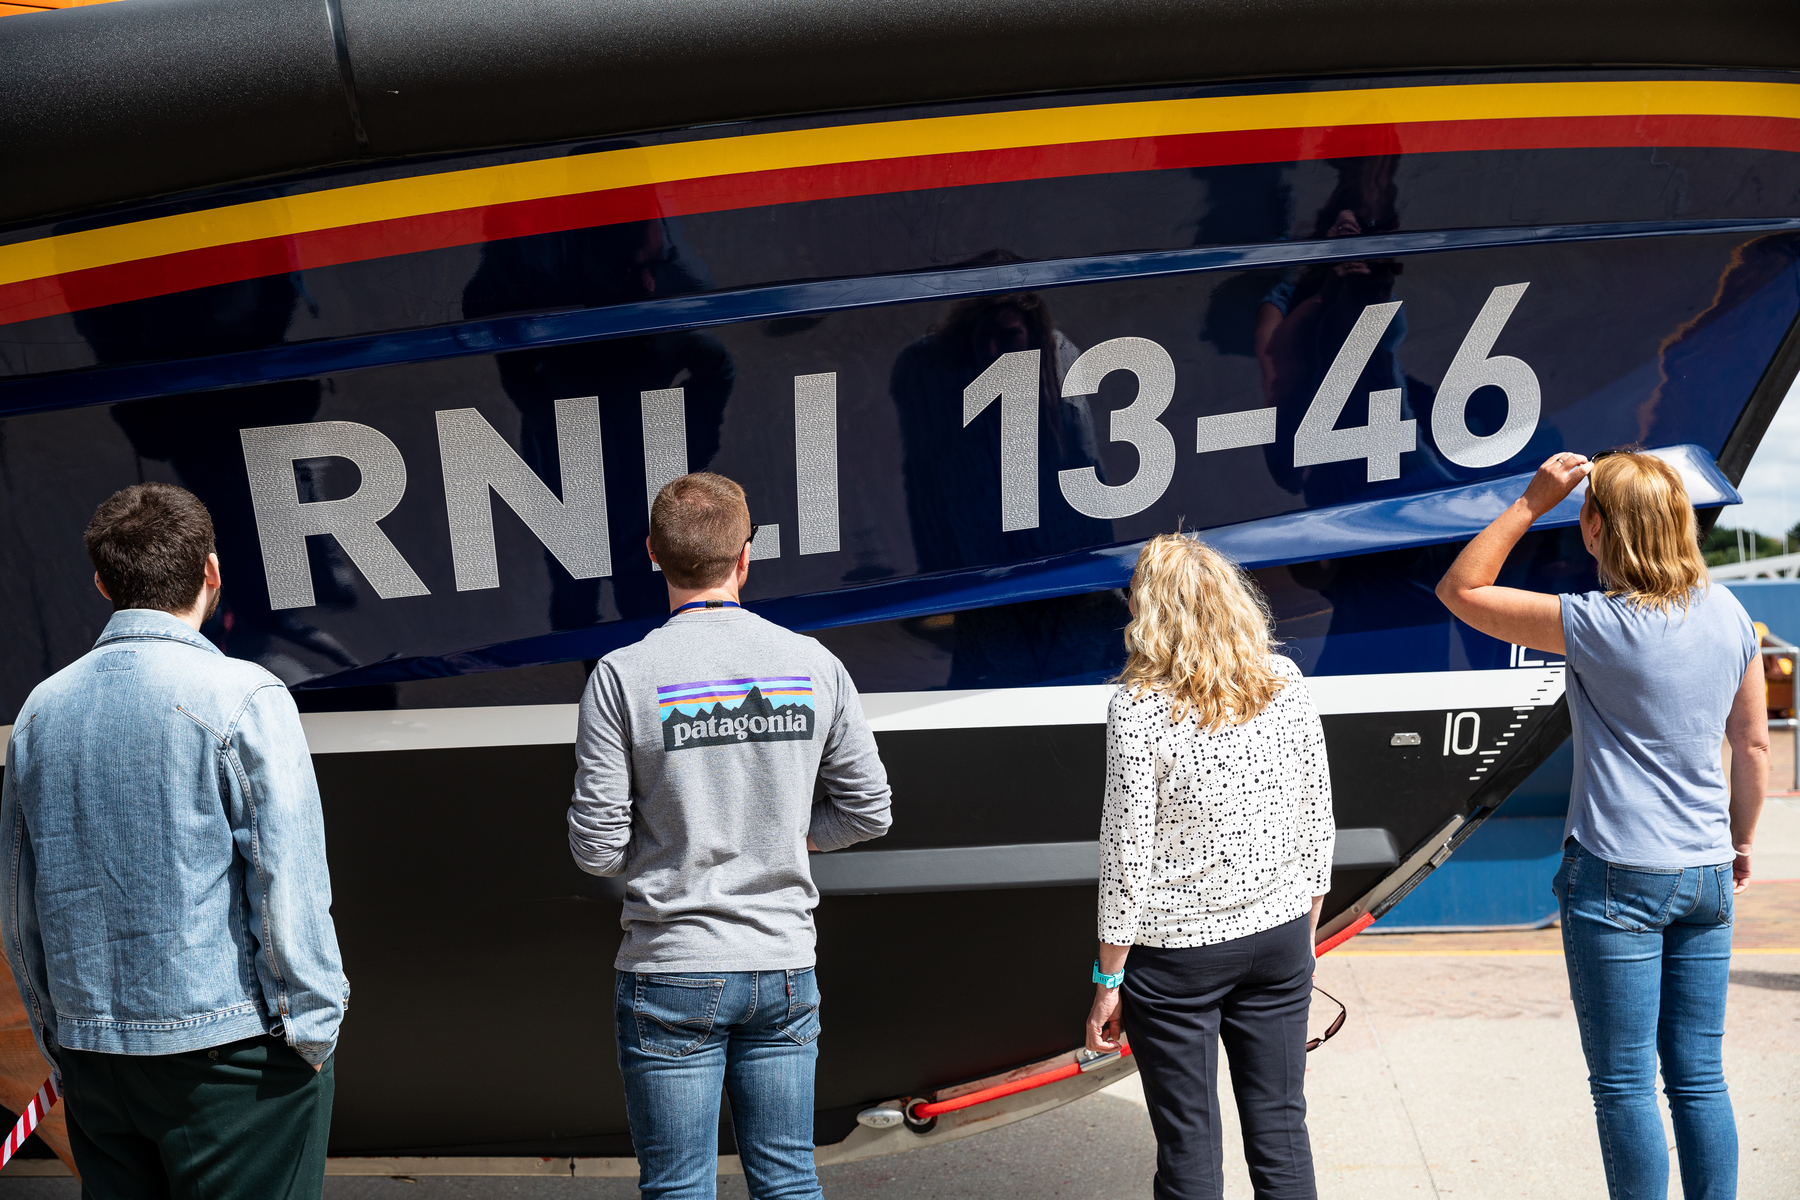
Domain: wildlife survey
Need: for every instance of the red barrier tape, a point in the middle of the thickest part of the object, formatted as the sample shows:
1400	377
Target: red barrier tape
35	1111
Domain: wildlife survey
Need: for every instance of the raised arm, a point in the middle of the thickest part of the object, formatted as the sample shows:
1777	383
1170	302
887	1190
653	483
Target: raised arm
276	822
1512	614
857	795
600	811
1747	733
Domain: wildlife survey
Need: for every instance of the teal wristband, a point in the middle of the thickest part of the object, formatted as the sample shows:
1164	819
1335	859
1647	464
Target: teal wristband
1105	980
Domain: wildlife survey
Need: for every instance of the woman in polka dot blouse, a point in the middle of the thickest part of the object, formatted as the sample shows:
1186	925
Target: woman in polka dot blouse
1215	855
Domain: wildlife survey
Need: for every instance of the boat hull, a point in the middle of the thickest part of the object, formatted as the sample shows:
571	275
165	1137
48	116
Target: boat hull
964	360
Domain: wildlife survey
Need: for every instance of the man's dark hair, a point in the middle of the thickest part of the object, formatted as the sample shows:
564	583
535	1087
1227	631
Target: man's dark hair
698	526
149	543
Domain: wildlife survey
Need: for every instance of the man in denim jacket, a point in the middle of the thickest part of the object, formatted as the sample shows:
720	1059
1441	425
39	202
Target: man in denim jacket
167	907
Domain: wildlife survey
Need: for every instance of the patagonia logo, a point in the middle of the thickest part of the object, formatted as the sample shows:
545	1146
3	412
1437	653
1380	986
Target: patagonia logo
724	712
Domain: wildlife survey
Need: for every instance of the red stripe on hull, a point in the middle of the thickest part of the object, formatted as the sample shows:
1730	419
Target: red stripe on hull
167	274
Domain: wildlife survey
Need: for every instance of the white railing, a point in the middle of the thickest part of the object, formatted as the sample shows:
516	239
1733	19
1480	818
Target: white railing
1779	566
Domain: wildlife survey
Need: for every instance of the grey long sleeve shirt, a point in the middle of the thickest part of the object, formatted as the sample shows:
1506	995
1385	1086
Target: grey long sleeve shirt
697	754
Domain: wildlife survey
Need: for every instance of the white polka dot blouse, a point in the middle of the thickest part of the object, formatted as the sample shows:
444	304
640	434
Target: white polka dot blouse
1207	837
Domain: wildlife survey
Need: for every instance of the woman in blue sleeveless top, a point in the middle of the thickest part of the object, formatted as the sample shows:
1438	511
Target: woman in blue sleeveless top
1661	669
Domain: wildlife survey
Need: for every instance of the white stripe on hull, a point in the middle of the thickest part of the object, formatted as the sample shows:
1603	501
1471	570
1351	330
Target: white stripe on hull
1333	694
441	728
554	724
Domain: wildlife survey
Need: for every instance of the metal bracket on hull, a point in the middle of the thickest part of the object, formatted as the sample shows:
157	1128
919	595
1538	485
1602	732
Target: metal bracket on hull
1393	889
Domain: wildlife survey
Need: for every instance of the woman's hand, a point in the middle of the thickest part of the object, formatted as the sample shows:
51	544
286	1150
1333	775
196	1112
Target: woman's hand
1560	475
1103	1021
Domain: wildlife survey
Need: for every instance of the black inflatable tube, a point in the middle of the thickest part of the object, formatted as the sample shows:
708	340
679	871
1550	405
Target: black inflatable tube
142	98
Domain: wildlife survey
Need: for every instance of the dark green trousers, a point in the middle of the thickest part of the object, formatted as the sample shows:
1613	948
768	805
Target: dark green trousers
247	1119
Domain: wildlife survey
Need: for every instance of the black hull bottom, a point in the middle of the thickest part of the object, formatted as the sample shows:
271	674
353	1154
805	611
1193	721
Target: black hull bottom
459	910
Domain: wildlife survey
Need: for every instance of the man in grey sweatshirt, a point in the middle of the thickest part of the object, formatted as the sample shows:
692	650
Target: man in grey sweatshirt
698	750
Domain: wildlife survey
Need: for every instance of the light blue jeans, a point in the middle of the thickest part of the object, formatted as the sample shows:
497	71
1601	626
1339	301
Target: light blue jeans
1648	951
682	1038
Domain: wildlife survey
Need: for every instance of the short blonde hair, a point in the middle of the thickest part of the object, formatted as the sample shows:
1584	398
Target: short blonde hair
1202	634
1649	545
698	526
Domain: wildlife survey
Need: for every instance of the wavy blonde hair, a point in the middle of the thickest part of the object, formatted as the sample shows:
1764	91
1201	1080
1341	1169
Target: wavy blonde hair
1649	545
1202	634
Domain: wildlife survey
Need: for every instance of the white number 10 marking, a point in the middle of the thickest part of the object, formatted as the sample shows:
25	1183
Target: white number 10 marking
1453	732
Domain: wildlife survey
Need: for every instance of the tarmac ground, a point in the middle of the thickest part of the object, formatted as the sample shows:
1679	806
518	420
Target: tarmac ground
1459	1073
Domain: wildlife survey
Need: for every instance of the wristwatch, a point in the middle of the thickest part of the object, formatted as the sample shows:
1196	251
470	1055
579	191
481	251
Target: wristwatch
1105	980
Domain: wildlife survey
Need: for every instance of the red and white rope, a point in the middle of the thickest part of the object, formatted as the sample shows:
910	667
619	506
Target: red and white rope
35	1112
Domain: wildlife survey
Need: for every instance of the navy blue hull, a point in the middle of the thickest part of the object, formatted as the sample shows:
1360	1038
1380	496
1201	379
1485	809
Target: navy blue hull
1628	339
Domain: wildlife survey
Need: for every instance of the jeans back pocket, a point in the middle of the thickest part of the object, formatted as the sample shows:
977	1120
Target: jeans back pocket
1726	881
675	1013
802	1022
1640	898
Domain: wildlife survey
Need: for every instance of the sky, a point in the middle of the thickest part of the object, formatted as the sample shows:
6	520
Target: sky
1771	486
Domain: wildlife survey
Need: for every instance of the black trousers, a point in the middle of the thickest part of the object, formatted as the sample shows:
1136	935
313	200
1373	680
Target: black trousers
244	1120
1252	993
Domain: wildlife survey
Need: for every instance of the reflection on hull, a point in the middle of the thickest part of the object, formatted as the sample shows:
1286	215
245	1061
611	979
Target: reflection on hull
1330	327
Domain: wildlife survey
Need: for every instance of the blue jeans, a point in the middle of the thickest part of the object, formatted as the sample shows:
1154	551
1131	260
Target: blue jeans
1648	950
682	1038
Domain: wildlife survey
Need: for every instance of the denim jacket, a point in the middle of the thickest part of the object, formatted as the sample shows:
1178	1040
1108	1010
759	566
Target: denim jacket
166	887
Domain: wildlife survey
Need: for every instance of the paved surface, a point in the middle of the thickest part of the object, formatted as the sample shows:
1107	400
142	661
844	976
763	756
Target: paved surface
1459	1074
